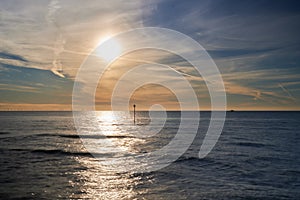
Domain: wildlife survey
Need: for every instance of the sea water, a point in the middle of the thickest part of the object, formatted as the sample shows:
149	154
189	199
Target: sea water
43	156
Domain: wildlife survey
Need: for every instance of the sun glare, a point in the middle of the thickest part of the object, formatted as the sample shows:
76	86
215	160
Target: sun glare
108	49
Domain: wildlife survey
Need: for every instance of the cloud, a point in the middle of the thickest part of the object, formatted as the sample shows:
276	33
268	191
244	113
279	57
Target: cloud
53	7
260	75
18	88
10	56
57	72
255	44
270	97
57	69
58	49
57	35
287	92
34	107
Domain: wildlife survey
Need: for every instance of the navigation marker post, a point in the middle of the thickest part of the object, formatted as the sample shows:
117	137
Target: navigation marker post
134	113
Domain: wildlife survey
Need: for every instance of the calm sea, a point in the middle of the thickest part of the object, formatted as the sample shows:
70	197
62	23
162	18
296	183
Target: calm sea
42	157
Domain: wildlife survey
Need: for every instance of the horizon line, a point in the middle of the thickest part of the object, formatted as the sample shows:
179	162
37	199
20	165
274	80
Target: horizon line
205	110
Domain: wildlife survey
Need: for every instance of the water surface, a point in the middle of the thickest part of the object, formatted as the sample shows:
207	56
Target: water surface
42	157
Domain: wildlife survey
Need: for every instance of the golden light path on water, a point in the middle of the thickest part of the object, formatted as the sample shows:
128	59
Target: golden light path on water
98	184
97	180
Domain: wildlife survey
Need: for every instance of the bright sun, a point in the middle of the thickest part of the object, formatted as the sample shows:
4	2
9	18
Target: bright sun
108	49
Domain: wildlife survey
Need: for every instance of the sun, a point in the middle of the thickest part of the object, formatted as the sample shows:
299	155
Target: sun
108	49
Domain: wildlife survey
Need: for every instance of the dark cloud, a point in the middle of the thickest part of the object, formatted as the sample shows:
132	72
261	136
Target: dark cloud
11	56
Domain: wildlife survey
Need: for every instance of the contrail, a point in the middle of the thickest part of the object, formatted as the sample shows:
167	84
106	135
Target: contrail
53	7
58	48
287	92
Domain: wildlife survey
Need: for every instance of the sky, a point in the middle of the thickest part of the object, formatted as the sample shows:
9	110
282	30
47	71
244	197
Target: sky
255	44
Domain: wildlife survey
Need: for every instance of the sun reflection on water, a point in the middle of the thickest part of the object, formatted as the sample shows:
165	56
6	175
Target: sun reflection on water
119	132
107	117
121	145
97	179
115	145
99	184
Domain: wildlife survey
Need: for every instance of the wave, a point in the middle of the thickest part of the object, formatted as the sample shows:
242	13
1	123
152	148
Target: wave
61	152
58	152
205	161
85	136
4	132
184	159
248	144
69	153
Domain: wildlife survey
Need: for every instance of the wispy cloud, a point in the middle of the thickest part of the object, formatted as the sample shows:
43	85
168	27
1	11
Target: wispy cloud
57	69
254	44
10	56
287	92
18	88
53	7
57	35
33	107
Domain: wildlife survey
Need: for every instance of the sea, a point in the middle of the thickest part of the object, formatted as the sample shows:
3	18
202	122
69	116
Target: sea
44	156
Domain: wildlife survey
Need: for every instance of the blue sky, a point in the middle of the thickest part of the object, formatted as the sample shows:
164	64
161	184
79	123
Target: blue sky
255	45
